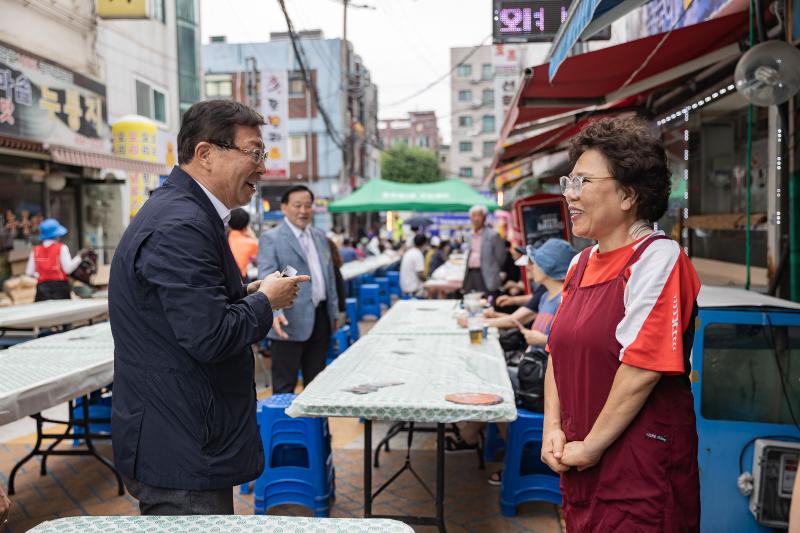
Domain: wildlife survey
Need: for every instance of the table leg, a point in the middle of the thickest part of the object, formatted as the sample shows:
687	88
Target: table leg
367	468
440	476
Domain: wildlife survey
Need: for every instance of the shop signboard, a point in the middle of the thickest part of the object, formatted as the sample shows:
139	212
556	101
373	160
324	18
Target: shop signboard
275	109
46	102
542	217
507	66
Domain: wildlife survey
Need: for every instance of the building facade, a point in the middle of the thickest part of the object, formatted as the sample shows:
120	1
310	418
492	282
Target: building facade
319	139
420	129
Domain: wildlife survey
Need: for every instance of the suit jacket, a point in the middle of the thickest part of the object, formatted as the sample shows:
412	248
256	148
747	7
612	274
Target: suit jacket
493	253
184	410
278	248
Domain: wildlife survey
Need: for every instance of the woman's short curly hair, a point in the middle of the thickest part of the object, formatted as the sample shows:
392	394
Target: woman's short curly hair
635	157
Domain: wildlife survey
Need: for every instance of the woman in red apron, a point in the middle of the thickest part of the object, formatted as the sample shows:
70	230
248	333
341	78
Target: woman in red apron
51	263
619	415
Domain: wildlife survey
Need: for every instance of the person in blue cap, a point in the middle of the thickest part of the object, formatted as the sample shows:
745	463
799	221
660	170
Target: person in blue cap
51	263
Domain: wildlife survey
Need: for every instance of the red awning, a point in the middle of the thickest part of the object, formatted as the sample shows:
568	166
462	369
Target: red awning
81	158
610	74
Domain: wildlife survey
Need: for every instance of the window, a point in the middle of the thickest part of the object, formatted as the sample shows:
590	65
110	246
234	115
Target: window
487	71
151	102
487	97
159	13
464	71
423	141
465	96
218	86
465	172
297	148
188	39
400	141
742	369
297	85
488	148
465	121
487	123
465	146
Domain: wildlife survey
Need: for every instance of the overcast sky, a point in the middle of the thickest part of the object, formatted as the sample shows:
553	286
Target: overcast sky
405	44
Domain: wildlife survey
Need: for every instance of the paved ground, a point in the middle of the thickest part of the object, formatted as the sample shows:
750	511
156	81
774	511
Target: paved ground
82	486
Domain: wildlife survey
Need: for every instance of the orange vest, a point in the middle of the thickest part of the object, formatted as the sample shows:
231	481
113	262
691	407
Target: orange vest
48	262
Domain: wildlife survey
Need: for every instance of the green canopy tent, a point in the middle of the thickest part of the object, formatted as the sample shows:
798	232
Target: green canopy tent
383	195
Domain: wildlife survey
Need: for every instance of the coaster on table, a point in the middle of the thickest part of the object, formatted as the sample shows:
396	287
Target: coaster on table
474	398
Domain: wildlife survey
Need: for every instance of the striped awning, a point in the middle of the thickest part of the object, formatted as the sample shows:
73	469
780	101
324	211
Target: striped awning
14	143
83	158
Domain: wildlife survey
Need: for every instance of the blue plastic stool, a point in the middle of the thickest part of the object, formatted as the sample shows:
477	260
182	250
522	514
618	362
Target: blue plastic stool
369	301
367	279
525	477
99	408
340	341
351	306
394	283
493	443
383	284
354	286
298	465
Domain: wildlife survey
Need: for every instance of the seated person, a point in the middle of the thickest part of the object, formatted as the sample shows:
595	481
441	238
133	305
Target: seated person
547	266
412	268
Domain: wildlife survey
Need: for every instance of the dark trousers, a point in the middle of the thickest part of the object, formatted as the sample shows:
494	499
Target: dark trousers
289	356
52	290
473	281
176	502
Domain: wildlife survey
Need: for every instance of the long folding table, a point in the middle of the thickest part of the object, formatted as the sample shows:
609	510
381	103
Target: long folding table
251	524
353	269
19	323
47	371
429	366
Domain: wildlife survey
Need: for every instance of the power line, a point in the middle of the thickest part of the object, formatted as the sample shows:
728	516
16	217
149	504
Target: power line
443	76
299	54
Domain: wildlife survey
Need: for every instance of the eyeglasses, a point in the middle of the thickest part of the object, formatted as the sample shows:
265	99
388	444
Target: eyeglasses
576	182
256	155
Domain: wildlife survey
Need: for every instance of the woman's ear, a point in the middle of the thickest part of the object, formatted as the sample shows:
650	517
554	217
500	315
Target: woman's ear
628	198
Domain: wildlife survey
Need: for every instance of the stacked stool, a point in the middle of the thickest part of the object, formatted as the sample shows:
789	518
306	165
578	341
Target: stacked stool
340	341
525	477
298	467
385	295
351	307
394	283
369	301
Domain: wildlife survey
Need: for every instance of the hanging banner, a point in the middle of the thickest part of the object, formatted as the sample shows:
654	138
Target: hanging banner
275	108
507	66
43	101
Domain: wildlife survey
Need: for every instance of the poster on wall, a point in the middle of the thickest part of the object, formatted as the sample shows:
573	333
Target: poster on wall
43	101
275	109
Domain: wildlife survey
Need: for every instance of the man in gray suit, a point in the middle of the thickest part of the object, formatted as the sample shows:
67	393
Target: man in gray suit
485	255
300	335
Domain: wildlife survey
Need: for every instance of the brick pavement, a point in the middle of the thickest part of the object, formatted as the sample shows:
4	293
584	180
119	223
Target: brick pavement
81	485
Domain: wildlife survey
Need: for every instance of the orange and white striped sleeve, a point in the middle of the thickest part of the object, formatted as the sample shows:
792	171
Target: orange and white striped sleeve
659	302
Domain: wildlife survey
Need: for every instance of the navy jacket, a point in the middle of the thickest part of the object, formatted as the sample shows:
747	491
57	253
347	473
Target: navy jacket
184	394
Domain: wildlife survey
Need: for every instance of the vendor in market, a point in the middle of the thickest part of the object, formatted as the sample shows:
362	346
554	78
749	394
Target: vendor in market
51	263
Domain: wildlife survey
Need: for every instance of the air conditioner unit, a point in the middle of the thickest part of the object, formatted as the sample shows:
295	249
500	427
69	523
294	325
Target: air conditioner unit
774	471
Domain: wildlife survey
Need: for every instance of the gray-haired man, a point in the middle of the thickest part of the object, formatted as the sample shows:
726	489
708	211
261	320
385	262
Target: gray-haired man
485	254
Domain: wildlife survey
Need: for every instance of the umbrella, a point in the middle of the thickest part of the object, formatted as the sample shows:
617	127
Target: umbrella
419	221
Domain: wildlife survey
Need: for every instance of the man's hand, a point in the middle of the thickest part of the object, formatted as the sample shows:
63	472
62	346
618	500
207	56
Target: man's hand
553	442
281	291
277	324
253	286
490	313
503	301
581	455
462	321
5	507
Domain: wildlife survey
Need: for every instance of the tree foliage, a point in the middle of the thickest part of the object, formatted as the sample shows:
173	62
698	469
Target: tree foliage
410	165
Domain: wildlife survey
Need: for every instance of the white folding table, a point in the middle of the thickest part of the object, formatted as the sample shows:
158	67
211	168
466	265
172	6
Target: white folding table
429	366
47	371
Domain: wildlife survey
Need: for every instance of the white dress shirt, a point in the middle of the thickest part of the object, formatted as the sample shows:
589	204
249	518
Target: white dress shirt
306	241
223	212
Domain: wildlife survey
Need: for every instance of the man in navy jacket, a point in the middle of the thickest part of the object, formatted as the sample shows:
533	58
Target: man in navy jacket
184	425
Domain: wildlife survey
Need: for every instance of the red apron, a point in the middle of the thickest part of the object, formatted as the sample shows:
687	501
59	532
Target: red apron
647	480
